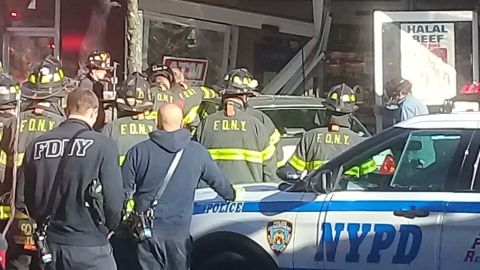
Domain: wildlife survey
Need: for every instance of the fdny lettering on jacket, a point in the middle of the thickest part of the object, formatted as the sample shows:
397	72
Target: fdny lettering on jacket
36	125
55	148
162	97
230	124
384	235
135	129
187	93
330	138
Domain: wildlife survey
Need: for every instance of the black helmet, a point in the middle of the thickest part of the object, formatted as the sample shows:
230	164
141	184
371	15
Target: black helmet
396	86
9	88
48	80
160	70
99	60
135	94
238	82
341	98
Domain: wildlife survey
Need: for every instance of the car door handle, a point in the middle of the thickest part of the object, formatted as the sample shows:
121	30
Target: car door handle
411	214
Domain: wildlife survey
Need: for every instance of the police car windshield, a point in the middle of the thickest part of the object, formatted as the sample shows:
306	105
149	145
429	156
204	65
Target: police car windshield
291	122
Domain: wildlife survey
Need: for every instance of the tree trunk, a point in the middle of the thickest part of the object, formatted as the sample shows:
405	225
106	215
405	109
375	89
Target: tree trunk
134	37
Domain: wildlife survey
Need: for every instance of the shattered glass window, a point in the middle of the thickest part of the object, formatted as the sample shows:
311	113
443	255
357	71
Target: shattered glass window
184	41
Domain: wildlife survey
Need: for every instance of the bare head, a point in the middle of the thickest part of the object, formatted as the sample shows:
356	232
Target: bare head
170	117
82	104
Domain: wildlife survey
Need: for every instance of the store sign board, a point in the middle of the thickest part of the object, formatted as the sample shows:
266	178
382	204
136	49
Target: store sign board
195	70
428	60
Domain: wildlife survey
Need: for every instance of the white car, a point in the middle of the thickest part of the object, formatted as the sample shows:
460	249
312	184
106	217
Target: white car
419	210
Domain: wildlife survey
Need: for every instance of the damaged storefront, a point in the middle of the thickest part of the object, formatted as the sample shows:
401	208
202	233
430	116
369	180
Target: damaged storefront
300	47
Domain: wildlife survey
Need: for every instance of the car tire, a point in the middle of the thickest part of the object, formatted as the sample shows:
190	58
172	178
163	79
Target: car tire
232	254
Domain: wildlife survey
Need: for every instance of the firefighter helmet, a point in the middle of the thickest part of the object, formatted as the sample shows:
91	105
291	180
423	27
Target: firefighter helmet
99	60
47	81
341	98
135	94
397	86
9	88
155	71
238	82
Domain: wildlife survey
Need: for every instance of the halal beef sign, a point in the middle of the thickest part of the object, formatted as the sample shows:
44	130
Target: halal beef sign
195	70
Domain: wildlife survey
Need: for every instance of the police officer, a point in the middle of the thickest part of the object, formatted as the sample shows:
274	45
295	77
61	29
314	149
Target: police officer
96	76
322	144
71	185
161	175
41	114
134	99
238	141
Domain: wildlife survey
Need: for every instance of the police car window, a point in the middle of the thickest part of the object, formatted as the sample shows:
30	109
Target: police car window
293	122
421	162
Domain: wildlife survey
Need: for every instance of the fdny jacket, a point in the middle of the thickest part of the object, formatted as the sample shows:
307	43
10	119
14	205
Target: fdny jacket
320	145
34	121
146	166
128	131
240	144
272	131
83	155
192	98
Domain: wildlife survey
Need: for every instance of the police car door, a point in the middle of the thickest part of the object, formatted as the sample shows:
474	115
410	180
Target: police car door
389	199
460	245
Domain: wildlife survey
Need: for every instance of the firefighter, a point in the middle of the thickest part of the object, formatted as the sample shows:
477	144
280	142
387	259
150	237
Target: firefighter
274	134
96	76
322	144
236	140
42	113
192	96
161	80
134	99
9	88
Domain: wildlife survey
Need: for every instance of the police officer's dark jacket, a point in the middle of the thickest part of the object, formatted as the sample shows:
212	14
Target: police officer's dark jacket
240	144
146	165
90	156
127	132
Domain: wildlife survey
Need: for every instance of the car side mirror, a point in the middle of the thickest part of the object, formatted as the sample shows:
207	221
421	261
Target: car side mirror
323	181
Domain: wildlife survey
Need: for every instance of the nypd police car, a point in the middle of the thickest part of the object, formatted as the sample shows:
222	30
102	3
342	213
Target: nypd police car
419	210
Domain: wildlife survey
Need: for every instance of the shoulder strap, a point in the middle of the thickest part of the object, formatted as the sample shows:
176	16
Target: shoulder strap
168	176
